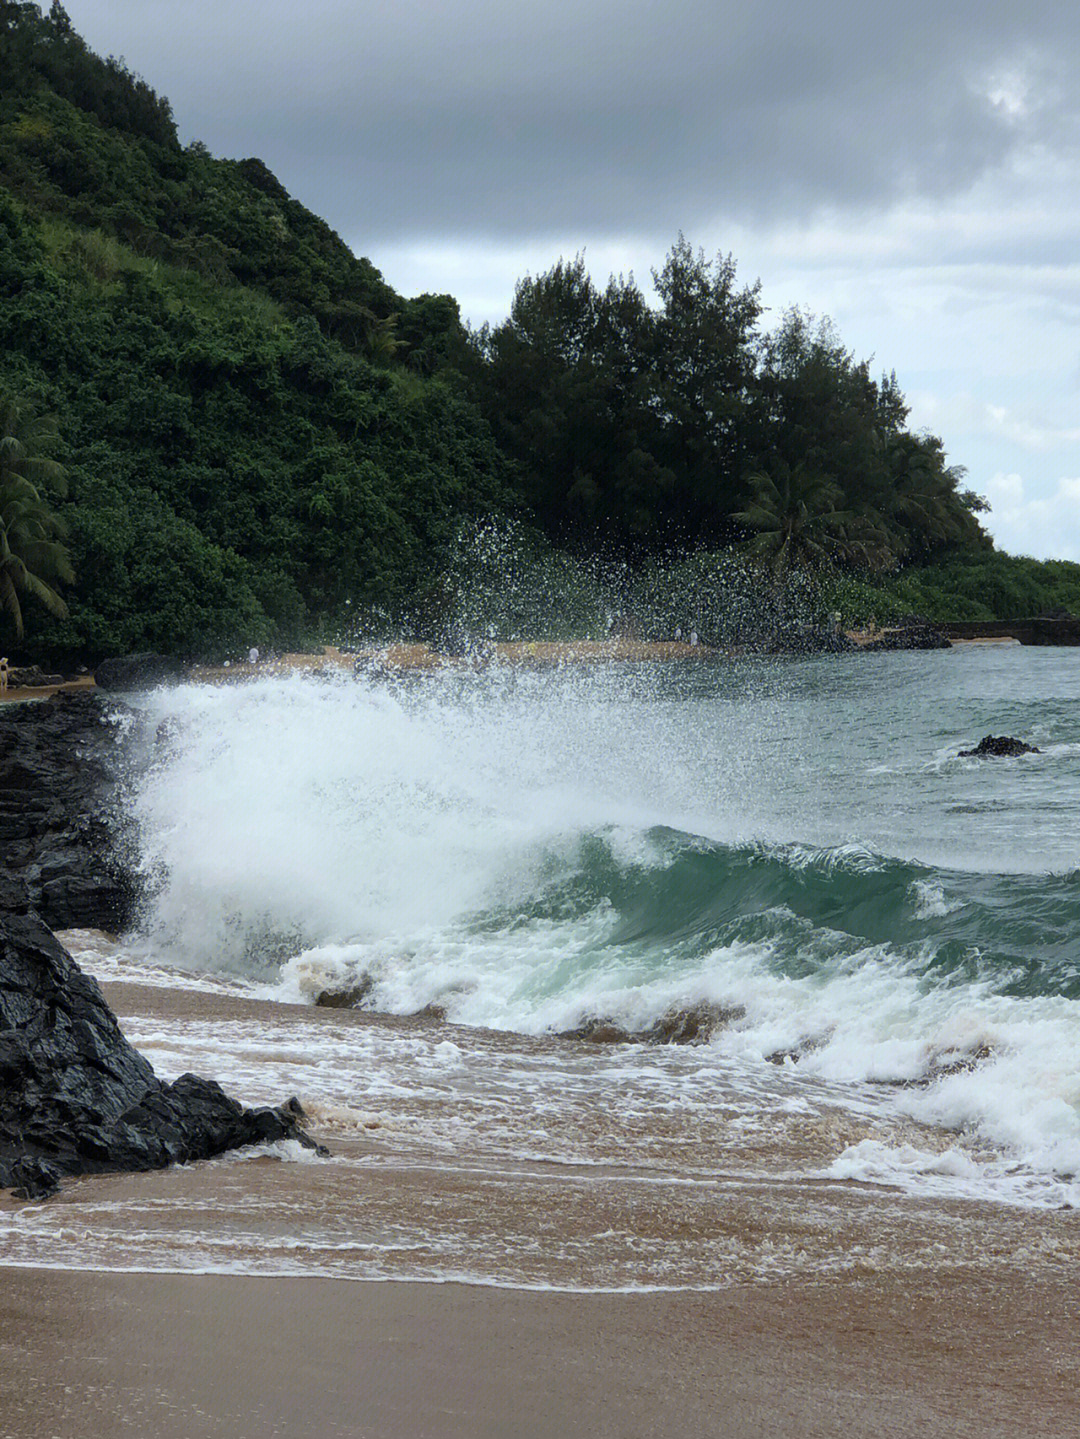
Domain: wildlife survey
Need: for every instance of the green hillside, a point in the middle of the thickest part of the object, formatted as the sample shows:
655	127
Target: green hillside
251	440
263	440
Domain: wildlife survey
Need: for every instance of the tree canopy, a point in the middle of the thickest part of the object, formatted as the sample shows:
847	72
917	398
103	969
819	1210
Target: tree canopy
262	436
653	428
32	556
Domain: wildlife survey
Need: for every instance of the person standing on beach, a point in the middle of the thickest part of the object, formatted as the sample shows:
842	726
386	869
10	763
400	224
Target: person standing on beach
253	655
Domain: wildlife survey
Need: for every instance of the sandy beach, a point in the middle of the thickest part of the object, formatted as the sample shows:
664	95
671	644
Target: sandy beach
421	656
824	1309
186	1356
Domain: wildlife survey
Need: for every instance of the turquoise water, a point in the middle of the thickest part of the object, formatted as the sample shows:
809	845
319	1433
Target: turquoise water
795	840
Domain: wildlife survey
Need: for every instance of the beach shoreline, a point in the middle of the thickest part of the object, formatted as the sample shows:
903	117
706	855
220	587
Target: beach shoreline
185	1356
891	1317
420	656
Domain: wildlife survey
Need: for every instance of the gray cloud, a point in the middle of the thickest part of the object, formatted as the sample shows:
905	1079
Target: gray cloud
457	119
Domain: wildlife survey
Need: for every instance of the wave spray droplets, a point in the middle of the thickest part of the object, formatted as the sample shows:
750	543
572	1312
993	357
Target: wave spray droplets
529	849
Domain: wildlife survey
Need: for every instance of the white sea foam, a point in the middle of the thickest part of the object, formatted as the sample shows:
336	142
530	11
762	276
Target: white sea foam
325	835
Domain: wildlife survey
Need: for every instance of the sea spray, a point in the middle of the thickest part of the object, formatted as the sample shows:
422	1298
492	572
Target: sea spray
529	848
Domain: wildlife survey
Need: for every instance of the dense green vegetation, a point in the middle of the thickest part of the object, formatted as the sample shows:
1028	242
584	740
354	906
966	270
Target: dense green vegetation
31	550
248	447
986	586
262	438
657	430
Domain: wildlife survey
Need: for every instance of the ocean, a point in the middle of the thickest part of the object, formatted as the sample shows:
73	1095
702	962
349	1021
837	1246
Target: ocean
888	936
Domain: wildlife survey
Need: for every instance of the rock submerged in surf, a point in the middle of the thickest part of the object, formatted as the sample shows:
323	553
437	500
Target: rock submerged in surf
61	830
140	672
999	747
693	1024
77	1098
353	996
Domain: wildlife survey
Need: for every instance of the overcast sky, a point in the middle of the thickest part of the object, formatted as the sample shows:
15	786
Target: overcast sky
911	171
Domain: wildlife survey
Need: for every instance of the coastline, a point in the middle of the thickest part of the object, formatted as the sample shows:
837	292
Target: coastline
186	1356
419	655
836	1306
892	1317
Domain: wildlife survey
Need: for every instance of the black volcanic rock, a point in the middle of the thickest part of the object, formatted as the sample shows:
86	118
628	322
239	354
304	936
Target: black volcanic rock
140	672
77	1098
910	634
998	747
694	1024
59	818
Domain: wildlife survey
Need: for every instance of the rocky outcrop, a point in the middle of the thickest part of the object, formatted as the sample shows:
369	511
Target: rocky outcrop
31	677
692	1024
810	640
140	672
59	820
77	1098
351	997
909	636
998	747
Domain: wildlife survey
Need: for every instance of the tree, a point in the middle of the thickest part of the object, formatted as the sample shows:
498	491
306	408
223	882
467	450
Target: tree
796	517
32	557
702	359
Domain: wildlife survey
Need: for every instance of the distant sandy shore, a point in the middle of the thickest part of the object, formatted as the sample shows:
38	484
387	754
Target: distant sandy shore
187	1356
420	656
44	692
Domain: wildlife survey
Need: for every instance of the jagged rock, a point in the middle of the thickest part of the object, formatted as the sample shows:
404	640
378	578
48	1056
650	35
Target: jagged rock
693	1024
909	636
77	1098
59	823
944	1064
351	998
140	672
599	1031
31	677
998	747
810	640
798	1051
430	1014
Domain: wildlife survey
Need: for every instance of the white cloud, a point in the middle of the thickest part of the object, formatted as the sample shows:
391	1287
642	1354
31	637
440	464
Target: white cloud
1045	527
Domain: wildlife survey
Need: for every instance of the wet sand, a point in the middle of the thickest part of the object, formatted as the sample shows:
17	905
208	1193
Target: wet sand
43	692
186	1356
889	1315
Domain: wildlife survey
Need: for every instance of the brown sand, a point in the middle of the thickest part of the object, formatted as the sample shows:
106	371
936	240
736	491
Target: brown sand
44	692
181	1357
522	652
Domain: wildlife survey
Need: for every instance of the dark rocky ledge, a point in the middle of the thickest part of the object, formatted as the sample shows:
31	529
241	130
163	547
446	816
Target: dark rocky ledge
60	819
75	1096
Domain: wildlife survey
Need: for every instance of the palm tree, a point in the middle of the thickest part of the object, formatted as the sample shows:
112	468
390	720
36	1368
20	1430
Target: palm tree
32	557
796	517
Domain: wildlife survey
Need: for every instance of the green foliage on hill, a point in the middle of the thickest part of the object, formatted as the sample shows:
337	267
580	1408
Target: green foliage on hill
248	447
986	586
262	437
33	557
